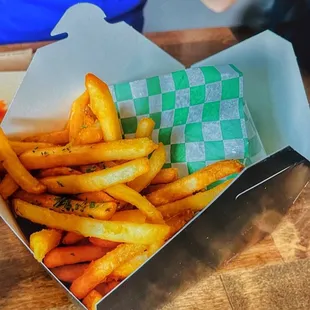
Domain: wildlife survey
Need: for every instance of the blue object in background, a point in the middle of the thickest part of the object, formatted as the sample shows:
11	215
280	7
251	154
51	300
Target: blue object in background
33	20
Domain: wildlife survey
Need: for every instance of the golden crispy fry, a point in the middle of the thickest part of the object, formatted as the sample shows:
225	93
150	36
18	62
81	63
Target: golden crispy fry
157	160
195	202
91	134
134	216
106	287
107	230
73	254
102	105
153	188
95	197
87	154
96	181
103	243
100	211
8	187
103	267
72	238
68	273
90	168
57	171
89	117
165	176
91	300
43	241
145	128
127	194
20	147
110	164
16	170
77	117
178	221
193	183
55	137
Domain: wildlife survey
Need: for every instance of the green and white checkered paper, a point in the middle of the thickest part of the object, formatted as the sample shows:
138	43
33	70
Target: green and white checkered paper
198	112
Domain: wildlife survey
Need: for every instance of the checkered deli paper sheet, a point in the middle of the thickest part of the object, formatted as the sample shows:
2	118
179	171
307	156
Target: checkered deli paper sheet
198	112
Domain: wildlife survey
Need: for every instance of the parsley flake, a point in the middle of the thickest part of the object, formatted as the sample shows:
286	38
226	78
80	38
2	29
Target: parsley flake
60	184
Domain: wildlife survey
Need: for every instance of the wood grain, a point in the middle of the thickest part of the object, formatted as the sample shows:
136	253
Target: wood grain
273	274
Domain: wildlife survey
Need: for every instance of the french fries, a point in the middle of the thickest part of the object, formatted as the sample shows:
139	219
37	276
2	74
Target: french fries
92	299
72	238
145	128
91	134
102	105
55	137
20	147
90	168
97	181
126	193
157	160
100	211
68	273
15	169
73	254
134	216
106	287
165	176
87	154
95	197
108	230
51	172
178	221
103	243
44	241
8	187
193	183
98	270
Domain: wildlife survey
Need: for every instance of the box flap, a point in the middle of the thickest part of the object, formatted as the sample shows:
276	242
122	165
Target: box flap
115	53
273	90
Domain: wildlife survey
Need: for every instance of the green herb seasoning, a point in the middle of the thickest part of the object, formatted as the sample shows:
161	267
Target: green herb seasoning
60	184
92	204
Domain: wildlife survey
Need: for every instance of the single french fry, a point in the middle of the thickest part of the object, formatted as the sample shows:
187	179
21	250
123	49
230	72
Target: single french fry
20	147
102	105
44	241
87	154
68	273
157	160
77	117
106	287
153	188
195	202
50	172
73	254
72	238
165	176
90	168
178	221
100	211
193	183
125	193
100	196
55	137
17	171
91	134
103	243
91	300
97	181
98	270
134	216
145	128
107	230
8	187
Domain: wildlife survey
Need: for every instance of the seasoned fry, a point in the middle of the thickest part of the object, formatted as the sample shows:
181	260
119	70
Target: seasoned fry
100	211
102	105
110	164
103	267
87	154
72	238
145	128
103	243
91	134
192	183
157	160
57	171
90	168
73	254
95	197
127	194
55	137
106	287
69	273
8	187
153	188
20	147
178	221
91	300
134	216
97	181
108	230
77	117
165	176
44	241
195	202
16	170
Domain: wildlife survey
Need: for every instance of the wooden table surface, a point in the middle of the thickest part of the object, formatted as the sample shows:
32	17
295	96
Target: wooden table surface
274	274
